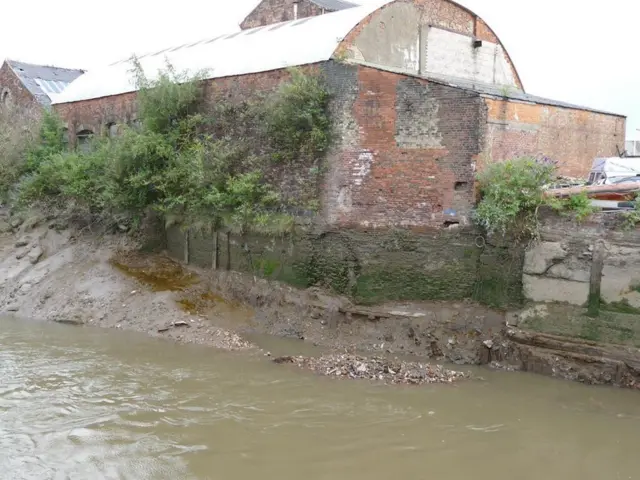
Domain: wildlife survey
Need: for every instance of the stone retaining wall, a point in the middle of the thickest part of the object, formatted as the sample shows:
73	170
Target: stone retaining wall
557	269
369	266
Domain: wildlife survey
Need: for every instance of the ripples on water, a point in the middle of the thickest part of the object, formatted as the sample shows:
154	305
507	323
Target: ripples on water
89	404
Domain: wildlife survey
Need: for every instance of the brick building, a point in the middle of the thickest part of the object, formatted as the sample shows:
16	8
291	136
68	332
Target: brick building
25	87
268	12
423	91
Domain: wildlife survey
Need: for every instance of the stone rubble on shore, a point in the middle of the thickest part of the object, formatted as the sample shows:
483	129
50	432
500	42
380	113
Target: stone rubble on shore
392	371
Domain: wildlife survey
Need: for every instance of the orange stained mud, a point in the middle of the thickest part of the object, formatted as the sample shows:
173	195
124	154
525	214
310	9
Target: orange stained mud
161	274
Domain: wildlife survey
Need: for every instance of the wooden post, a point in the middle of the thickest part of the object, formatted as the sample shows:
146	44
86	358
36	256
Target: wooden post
228	251
186	247
597	263
214	262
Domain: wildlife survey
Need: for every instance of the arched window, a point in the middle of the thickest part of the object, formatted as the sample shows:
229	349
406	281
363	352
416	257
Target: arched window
112	130
84	139
5	98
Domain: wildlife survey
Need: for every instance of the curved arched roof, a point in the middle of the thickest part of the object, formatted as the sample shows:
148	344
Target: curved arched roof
271	47
287	44
461	4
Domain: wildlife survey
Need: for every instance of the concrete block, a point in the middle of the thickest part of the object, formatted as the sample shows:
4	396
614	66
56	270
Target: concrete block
543	255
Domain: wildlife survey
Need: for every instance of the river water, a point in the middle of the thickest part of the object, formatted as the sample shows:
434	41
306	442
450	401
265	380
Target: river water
78	403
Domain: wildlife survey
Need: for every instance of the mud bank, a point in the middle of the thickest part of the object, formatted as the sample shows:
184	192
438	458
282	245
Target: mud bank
57	274
60	275
459	333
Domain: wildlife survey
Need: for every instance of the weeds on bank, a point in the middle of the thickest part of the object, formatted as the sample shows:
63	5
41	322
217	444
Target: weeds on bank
631	218
578	206
184	159
18	133
513	192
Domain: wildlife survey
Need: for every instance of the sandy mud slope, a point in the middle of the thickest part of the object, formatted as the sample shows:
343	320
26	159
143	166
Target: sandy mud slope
50	274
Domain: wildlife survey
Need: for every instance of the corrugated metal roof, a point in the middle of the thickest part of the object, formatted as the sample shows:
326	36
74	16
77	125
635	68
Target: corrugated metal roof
271	47
44	82
334	5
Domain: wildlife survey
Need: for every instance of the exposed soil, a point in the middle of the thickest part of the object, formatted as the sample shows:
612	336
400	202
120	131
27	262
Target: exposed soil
56	274
101	282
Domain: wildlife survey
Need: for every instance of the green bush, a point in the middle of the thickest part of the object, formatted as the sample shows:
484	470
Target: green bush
298	122
50	141
178	162
578	205
631	218
512	192
26	137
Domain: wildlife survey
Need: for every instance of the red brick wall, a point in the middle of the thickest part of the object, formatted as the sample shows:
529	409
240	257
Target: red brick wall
96	114
404	147
572	137
407	150
20	99
275	11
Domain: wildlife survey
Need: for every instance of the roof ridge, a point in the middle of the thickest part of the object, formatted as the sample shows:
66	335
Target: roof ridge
11	63
305	41
231	33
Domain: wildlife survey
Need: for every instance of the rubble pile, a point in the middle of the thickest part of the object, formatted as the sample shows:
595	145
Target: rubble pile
392	371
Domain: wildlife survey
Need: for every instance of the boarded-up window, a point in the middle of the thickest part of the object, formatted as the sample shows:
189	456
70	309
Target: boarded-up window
455	55
112	130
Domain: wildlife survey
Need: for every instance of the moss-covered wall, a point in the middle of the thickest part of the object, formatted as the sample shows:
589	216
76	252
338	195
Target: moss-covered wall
370	266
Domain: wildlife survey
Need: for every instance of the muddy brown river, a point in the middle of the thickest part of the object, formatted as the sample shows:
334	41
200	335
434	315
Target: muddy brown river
79	403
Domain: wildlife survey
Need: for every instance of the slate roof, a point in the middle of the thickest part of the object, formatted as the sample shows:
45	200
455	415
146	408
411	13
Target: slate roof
334	5
44	82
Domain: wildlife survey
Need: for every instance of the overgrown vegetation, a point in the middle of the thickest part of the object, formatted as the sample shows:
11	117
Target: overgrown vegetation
631	218
202	165
617	325
18	131
579	206
513	192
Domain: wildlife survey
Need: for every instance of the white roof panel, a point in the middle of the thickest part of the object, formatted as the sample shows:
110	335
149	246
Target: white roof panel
288	44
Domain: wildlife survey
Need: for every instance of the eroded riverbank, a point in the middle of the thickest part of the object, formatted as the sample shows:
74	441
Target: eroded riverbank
104	281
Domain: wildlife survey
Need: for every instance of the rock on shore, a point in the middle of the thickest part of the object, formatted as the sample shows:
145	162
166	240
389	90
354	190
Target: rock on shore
391	371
